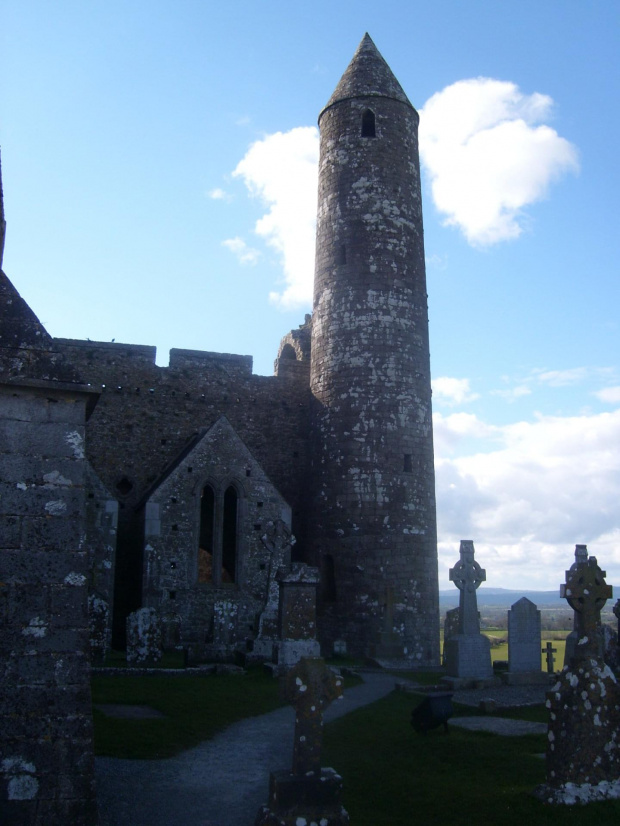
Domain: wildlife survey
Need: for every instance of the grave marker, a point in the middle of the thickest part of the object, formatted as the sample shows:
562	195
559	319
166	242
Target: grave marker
467	654
583	750
308	793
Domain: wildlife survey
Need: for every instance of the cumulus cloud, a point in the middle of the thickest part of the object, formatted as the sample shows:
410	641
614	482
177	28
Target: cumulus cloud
245	254
450	391
609	395
528	497
281	170
489	156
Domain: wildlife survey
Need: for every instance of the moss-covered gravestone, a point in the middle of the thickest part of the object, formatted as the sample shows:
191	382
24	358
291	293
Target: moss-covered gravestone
583	749
308	793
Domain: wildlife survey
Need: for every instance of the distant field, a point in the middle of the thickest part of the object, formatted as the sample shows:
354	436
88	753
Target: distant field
500	652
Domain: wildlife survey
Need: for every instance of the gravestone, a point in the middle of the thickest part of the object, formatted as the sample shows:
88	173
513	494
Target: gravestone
171	631
583	749
524	639
467	654
549	651
278	540
98	628
144	637
297	615
308	793
581	556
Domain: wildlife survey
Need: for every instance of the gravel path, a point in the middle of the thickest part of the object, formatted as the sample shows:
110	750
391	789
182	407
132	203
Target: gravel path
221	782
224	781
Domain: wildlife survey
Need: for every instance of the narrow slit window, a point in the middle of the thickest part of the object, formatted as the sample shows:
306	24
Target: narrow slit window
368	124
407	465
342	255
205	548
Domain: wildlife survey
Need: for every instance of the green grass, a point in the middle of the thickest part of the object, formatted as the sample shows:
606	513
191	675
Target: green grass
196	709
393	776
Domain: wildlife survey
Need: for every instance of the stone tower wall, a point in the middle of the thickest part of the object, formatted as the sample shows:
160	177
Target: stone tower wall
374	508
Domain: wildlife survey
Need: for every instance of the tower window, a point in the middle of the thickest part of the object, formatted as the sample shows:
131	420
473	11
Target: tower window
342	255
407	465
368	124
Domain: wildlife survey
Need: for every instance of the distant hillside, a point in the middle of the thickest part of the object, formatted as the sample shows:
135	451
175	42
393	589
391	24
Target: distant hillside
504	598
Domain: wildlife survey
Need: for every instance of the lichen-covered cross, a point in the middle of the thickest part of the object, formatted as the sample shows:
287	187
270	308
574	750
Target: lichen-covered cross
587	592
310	686
467	576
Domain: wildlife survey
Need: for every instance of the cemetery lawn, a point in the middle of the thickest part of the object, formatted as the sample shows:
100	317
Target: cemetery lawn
195	709
393	776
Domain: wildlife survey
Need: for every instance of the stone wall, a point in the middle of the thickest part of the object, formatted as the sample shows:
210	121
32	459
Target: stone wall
46	750
173	567
148	415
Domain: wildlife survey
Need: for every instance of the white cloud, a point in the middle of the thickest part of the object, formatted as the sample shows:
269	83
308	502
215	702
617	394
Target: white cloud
487	158
245	254
450	391
561	378
282	171
610	395
218	194
513	393
550	484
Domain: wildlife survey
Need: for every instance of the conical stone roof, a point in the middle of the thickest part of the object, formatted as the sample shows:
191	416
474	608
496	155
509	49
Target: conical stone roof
367	75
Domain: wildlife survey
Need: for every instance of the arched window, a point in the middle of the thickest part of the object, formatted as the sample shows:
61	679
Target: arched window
205	544
218	538
368	124
229	536
288	352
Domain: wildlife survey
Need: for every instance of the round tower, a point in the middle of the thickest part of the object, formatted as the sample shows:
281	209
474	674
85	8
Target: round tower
373	528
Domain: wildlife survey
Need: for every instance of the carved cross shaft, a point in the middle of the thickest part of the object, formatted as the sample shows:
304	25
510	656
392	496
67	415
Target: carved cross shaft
587	592
467	576
310	686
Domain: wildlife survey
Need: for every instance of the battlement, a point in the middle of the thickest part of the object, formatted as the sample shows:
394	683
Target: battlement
98	350
180	359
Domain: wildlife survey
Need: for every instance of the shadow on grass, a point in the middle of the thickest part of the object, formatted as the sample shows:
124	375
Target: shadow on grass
195	709
393	776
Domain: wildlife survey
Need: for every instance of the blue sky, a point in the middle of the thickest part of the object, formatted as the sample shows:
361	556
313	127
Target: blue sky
158	169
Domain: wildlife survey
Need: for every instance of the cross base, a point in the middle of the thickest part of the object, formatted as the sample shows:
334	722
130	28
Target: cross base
312	798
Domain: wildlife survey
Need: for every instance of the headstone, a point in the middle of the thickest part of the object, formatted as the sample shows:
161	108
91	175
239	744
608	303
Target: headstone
279	541
524	637
549	651
144	637
170	631
467	655
225	613
581	556
308	793
297	615
583	750
98	628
